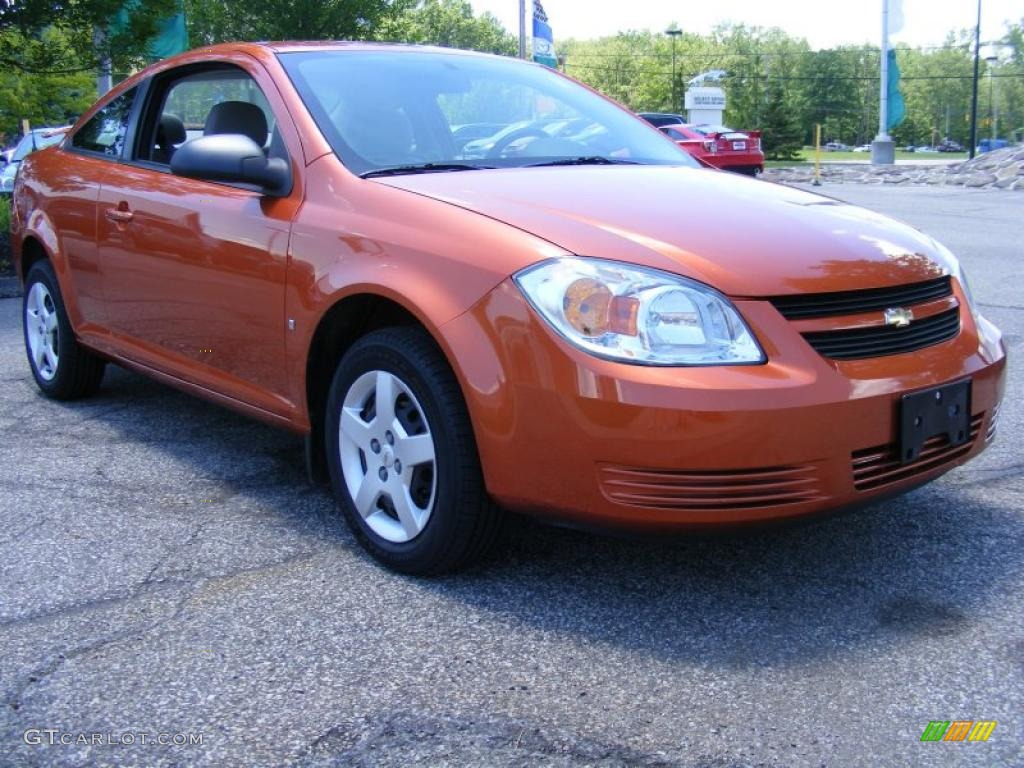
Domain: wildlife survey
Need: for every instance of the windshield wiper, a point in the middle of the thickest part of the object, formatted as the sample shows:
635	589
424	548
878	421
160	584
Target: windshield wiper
422	168
586	160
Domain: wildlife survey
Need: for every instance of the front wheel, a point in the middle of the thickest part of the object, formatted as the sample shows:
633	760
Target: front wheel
402	456
63	368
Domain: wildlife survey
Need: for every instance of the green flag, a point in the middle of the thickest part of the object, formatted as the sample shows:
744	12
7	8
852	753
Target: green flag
171	37
897	109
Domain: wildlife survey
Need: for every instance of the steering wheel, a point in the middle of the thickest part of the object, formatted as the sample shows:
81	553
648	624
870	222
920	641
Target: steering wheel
502	144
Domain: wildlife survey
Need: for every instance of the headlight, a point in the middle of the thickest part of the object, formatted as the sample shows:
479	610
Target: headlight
638	315
955	268
961	277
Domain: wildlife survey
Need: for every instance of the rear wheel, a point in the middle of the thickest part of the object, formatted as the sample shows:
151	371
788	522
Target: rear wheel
402	455
63	368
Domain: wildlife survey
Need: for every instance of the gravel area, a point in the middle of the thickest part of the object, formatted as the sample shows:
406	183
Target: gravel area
1002	169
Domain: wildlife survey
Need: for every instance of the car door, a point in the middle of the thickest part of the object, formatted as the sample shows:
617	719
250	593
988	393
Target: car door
72	177
194	271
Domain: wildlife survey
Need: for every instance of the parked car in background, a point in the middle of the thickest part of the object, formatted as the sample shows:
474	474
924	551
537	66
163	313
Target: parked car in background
835	146
590	328
658	119
36	139
946	145
862	148
720	147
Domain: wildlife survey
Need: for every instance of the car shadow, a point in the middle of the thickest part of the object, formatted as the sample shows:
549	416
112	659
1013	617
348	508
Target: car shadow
926	564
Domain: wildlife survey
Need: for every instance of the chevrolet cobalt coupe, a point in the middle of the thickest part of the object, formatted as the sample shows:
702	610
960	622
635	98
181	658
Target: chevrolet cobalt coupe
293	231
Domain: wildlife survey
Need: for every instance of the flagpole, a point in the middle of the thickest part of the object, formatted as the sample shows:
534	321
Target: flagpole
883	109
522	29
882	150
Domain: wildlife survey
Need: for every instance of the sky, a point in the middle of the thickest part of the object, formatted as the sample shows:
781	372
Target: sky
823	24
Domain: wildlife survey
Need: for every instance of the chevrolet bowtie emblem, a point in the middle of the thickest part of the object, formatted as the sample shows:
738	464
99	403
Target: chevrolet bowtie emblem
898	317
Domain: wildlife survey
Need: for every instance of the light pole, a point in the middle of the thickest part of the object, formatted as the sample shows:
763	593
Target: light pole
522	29
674	33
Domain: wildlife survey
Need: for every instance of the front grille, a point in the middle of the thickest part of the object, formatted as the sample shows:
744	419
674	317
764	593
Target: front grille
880	466
810	305
857	343
710	490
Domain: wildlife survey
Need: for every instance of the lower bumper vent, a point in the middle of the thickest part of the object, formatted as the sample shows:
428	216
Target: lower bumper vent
879	466
710	490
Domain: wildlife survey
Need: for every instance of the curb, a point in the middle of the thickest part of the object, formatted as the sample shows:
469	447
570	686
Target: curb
10	287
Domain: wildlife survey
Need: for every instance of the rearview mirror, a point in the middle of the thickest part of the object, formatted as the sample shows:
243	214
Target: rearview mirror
232	157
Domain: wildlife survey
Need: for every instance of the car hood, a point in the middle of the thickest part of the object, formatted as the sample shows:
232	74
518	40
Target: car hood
743	236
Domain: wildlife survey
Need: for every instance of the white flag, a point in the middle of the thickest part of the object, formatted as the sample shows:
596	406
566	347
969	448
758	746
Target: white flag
895	16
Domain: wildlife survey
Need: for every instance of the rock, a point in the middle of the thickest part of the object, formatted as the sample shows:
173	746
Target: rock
980	180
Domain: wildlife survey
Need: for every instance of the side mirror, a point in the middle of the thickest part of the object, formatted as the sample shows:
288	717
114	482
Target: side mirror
235	158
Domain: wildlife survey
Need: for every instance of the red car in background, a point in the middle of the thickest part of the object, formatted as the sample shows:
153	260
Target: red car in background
719	146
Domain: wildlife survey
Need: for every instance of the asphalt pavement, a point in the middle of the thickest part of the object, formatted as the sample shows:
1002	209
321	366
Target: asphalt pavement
167	574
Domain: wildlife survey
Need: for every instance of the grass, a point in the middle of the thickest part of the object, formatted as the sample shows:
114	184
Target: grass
5	229
909	158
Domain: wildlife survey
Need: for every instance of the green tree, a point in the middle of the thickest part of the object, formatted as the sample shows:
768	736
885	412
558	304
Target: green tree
27	43
449	23
214	21
782	135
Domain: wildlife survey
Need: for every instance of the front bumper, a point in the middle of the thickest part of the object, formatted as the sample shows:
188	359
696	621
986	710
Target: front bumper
566	435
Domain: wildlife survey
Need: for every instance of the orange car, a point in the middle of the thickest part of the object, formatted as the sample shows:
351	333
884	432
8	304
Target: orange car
290	230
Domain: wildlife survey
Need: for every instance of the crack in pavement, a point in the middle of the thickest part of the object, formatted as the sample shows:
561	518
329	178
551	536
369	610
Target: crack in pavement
15	697
14	700
149	585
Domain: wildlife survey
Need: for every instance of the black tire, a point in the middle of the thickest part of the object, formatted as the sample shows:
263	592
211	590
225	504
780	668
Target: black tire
78	371
463	522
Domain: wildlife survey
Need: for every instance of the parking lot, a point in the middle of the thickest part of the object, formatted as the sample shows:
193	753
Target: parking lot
166	570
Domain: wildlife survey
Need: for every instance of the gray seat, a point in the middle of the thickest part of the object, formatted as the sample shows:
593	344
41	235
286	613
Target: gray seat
237	117
170	132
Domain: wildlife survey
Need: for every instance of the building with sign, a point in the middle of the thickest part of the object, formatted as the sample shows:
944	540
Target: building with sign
704	105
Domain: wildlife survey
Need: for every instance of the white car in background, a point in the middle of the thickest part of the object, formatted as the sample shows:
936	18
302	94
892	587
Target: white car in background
37	138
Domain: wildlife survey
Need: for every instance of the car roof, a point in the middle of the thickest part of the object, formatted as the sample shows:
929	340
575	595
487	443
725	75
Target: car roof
298	46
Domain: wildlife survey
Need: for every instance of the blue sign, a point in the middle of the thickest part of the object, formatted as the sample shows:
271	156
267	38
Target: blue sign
543	39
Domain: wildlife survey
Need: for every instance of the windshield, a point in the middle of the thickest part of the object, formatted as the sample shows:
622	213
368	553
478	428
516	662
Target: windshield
407	109
26	146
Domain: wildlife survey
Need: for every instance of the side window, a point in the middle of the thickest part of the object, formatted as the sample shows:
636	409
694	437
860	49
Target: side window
213	101
106	130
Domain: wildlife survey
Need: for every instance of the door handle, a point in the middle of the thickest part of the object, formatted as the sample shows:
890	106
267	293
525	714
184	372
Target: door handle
119	215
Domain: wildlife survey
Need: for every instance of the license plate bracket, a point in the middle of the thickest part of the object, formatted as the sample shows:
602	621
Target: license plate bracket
739	145
944	410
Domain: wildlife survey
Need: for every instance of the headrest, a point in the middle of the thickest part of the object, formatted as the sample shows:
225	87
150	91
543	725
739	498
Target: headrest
237	117
170	131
